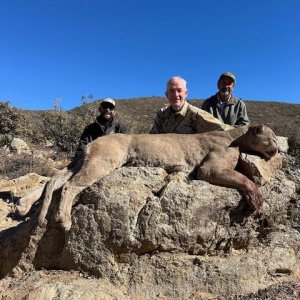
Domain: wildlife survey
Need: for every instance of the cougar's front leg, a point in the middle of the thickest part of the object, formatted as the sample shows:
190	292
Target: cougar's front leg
219	168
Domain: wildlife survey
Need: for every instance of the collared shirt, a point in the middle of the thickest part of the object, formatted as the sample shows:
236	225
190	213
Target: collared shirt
189	119
232	112
223	103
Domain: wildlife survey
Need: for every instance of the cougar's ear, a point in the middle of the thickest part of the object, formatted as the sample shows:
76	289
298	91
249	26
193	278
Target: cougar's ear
258	129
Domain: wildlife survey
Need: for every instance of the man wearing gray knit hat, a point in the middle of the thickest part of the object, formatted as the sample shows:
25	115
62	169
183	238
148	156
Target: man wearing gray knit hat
224	106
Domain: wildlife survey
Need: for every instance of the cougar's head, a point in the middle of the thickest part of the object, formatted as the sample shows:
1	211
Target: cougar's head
262	139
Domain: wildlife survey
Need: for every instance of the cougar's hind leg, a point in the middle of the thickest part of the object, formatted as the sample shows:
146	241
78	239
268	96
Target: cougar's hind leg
89	174
63	215
56	182
103	156
73	187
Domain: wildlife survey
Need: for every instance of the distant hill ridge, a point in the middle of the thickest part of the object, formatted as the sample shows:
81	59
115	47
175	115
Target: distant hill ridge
139	113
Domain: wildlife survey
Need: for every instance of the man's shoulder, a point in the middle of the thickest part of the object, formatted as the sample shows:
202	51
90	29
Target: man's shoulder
196	113
196	110
212	99
193	108
187	108
164	111
236	100
90	130
91	126
119	126
118	123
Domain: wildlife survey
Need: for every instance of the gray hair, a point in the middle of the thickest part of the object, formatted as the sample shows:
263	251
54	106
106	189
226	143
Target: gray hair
176	78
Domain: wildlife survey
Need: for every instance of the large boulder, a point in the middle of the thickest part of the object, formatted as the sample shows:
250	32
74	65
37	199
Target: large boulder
19	146
151	235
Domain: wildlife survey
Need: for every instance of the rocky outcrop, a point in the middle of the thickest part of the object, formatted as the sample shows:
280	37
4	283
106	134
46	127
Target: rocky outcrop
19	146
259	170
151	235
23	185
283	144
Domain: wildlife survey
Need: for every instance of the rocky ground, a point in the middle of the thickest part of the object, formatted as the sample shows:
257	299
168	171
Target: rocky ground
143	234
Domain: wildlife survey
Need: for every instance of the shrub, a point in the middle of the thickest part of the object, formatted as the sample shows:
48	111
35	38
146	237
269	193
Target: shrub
62	129
16	165
15	122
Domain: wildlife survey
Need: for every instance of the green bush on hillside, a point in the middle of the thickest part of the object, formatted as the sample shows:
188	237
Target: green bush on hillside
15	122
62	129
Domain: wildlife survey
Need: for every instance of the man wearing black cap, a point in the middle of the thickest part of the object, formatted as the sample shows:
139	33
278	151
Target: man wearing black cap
224	106
105	124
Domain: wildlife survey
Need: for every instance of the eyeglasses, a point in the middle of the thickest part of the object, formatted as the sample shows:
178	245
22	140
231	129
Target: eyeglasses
107	106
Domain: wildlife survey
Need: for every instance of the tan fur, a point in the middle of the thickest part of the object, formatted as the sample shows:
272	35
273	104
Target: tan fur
214	155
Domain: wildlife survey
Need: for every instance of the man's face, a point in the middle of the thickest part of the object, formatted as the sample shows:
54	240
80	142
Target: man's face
176	93
225	86
107	111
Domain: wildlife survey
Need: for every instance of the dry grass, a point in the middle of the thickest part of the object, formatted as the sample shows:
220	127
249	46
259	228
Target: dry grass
15	165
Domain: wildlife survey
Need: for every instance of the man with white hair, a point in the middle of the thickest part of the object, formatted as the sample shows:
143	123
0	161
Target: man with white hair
105	124
182	117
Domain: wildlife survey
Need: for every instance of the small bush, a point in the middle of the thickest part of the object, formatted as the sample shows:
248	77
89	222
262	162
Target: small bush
62	129
15	122
294	148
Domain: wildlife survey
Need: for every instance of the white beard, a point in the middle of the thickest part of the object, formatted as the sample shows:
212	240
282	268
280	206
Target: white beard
226	93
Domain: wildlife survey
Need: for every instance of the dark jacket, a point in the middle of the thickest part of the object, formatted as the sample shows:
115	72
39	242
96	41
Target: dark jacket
234	112
99	128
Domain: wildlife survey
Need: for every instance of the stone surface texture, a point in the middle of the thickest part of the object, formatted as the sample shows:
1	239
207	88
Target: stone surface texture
141	233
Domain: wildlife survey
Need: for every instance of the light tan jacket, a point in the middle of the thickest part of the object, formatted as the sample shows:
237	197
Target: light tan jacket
189	119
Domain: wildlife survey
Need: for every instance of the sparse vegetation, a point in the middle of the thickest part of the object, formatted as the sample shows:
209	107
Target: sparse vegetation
16	165
62	129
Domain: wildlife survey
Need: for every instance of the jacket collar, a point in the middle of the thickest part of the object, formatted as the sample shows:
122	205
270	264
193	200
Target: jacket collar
182	111
231	101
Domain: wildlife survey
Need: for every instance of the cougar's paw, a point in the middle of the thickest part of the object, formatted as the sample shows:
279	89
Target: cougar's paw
42	221
254	198
22	209
64	221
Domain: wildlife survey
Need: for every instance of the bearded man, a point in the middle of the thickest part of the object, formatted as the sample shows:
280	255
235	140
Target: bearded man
105	124
224	106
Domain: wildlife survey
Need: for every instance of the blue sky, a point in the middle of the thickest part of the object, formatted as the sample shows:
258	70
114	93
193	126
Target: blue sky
129	48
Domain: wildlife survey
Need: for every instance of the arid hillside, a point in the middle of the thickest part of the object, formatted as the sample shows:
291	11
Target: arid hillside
138	114
61	129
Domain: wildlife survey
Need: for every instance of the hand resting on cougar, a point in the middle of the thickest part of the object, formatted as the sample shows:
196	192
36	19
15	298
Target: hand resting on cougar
213	155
